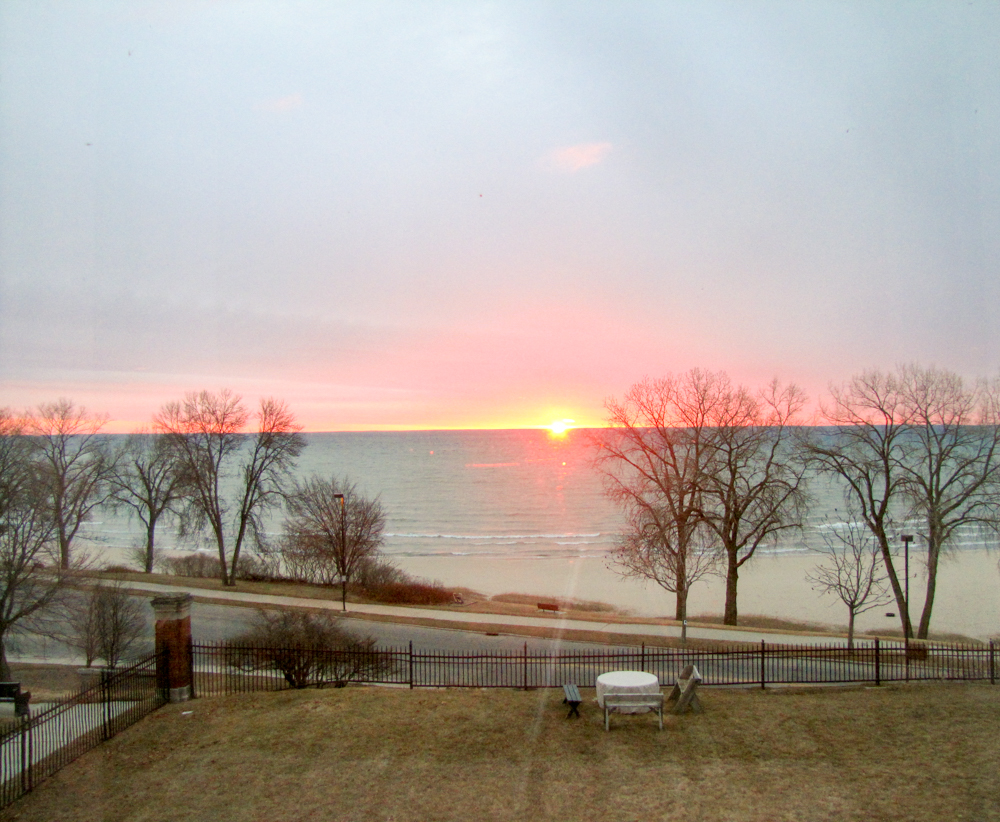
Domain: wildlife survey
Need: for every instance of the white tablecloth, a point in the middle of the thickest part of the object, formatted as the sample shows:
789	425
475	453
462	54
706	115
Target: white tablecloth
626	682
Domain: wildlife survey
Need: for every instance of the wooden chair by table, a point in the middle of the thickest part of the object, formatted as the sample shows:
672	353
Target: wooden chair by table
572	698
685	691
629	702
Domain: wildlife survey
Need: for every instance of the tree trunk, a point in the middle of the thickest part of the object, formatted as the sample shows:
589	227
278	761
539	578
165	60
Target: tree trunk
63	549
850	629
150	547
343	593
897	590
5	674
924	627
731	616
224	566
682	602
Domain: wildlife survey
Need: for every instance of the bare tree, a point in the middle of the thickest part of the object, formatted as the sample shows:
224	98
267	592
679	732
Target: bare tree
691	456
230	479
307	649
866	450
332	532
654	455
915	444
651	550
754	485
852	570
120	621
30	573
147	483
74	465
102	623
951	462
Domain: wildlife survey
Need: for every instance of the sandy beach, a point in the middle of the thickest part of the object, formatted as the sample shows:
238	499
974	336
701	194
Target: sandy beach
967	600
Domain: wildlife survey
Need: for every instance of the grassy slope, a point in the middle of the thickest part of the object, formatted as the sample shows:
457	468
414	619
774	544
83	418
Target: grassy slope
914	753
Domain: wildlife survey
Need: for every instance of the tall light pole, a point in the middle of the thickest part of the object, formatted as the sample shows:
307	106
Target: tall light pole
343	551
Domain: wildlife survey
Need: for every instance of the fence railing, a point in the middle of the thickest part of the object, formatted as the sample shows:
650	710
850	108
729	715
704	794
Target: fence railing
222	669
37	746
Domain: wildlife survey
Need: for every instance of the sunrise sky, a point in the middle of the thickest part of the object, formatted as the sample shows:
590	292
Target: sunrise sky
489	214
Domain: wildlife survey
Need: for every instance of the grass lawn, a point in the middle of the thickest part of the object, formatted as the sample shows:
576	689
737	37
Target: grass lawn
921	752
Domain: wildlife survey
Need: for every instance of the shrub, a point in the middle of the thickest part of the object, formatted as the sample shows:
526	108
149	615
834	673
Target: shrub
307	649
411	592
198	564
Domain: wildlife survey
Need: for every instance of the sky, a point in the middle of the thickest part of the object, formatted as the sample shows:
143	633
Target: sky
406	215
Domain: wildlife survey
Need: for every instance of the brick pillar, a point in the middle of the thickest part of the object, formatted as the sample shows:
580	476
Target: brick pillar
173	635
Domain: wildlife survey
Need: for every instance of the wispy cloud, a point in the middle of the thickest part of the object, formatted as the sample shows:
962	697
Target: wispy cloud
572	158
280	104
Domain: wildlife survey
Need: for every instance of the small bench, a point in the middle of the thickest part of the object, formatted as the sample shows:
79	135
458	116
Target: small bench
548	606
572	698
629	702
685	691
10	692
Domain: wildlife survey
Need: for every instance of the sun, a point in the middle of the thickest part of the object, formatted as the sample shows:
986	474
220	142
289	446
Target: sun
560	427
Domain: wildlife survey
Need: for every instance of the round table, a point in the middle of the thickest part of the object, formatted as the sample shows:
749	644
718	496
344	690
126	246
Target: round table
626	682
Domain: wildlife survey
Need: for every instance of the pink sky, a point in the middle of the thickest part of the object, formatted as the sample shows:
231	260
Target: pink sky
468	215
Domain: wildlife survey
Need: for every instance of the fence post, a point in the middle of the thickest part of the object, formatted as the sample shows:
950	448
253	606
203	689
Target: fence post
411	664
763	667
190	659
106	703
878	661
993	667
525	666
174	665
643	668
25	756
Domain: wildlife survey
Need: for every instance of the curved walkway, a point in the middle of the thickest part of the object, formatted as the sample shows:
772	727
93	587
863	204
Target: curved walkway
444	617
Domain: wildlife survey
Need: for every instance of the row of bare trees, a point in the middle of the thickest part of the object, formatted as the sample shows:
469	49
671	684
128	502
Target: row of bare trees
707	472
208	465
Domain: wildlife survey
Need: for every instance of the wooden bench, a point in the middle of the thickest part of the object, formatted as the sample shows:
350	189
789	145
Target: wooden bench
10	692
629	702
685	691
572	698
548	606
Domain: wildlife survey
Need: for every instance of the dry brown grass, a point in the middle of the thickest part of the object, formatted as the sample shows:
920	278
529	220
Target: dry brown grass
45	681
914	753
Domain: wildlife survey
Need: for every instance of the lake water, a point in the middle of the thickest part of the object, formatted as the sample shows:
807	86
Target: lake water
524	511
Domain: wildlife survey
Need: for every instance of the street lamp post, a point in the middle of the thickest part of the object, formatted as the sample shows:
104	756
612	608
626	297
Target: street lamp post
343	551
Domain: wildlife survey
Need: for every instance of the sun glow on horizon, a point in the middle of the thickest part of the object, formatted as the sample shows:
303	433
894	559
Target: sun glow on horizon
560	427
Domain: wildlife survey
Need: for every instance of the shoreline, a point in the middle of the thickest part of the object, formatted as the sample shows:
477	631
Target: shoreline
967	601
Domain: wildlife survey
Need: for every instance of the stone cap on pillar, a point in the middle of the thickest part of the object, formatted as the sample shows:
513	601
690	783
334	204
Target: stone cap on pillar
172	606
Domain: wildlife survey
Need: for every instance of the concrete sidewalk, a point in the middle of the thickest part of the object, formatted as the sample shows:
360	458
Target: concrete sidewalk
498	621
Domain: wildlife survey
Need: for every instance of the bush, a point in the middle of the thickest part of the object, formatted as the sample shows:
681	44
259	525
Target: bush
411	592
256	569
376	573
198	564
307	649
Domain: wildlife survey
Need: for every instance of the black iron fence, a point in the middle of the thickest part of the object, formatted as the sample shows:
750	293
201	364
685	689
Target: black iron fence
34	747
221	669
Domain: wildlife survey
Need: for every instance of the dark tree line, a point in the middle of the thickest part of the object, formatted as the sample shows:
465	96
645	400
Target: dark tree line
208	467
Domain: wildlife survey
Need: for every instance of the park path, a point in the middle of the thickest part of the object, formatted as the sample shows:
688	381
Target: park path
445	618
